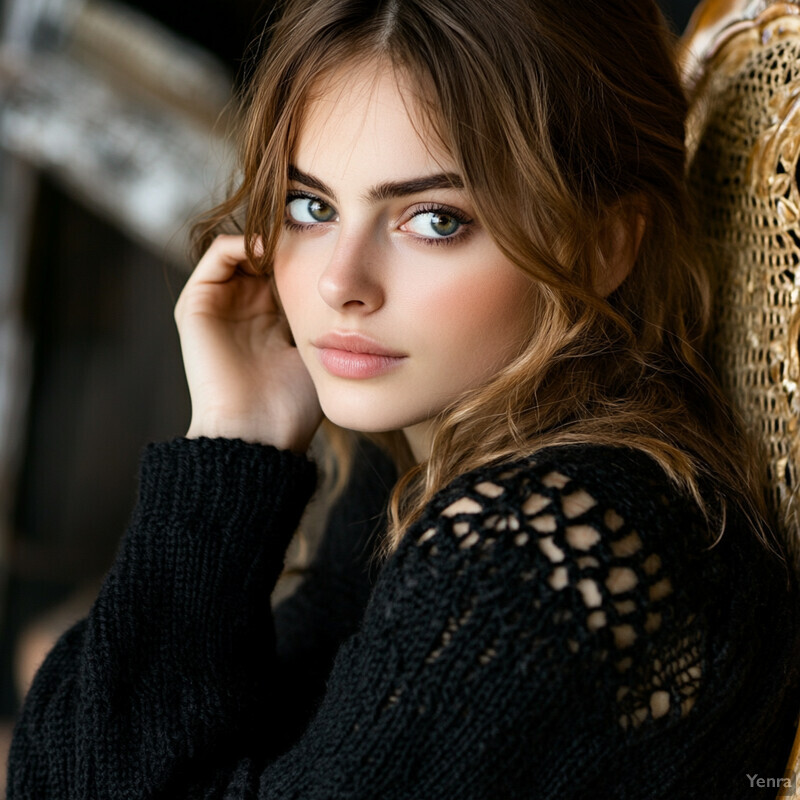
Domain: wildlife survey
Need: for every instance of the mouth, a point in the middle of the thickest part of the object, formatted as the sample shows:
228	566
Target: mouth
352	355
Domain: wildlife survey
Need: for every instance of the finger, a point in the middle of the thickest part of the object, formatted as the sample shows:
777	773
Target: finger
257	250
220	262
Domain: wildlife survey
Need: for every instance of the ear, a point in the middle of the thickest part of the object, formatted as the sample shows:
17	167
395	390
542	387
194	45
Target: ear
620	245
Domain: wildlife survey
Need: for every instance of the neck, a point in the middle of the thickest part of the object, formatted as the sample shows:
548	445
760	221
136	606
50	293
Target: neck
419	438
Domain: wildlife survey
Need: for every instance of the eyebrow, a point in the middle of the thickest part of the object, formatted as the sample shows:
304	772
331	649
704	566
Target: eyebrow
387	190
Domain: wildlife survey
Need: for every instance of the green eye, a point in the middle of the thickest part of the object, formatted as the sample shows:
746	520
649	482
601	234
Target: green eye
444	225
308	210
434	224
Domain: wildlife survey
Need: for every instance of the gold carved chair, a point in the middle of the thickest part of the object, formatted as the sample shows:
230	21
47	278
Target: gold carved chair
741	67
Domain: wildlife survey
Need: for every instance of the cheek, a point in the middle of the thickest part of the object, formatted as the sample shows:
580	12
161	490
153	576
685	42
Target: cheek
481	319
293	282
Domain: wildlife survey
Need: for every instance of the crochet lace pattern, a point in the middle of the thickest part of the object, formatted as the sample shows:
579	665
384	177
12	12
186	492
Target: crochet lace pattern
615	590
556	627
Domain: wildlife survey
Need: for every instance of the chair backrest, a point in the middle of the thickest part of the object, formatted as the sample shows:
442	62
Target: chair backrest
791	778
742	71
744	143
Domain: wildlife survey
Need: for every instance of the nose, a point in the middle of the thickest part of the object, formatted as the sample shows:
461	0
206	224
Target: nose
351	280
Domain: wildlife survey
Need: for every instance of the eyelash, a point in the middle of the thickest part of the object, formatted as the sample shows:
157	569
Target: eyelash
290	224
431	208
446	211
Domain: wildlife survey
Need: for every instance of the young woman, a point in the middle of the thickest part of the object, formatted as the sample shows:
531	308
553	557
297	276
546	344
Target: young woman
466	234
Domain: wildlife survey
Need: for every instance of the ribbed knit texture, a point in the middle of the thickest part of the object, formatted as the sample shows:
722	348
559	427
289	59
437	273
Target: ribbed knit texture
558	627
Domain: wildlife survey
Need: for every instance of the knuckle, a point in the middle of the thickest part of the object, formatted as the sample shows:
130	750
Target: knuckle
224	240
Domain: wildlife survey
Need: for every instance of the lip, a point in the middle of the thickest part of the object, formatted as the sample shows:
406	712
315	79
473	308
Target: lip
353	355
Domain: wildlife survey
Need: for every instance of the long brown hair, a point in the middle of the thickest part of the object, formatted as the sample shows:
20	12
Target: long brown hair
561	118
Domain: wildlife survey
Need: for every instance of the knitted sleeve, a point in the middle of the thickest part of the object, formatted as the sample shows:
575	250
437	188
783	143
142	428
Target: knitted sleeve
328	605
532	628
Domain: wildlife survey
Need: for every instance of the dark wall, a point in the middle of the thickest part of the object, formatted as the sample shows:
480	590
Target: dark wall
678	12
224	27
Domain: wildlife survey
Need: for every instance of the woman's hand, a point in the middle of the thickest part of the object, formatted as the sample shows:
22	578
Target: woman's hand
246	379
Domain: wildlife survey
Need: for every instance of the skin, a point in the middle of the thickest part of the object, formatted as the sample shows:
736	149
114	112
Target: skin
363	253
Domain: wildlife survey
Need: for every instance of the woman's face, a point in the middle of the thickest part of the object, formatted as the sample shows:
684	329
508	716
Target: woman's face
398	301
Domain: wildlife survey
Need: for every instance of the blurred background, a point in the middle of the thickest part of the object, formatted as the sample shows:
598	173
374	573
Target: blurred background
114	134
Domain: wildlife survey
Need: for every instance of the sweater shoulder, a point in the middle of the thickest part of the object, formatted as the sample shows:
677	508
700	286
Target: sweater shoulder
597	551
593	496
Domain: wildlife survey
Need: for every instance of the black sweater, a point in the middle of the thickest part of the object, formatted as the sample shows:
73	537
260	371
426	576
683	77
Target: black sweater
553	628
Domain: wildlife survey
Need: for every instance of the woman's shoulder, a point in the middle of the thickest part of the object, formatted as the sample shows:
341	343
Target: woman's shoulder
598	551
588	498
608	526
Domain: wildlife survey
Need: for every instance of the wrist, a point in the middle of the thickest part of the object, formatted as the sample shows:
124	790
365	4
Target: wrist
250	431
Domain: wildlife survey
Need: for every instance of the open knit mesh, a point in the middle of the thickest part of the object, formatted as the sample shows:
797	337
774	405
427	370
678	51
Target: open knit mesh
620	591
744	131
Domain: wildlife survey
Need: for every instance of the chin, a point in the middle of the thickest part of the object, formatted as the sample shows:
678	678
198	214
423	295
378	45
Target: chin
367	417
362	423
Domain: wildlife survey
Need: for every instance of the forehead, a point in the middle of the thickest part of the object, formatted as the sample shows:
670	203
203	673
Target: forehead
366	115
